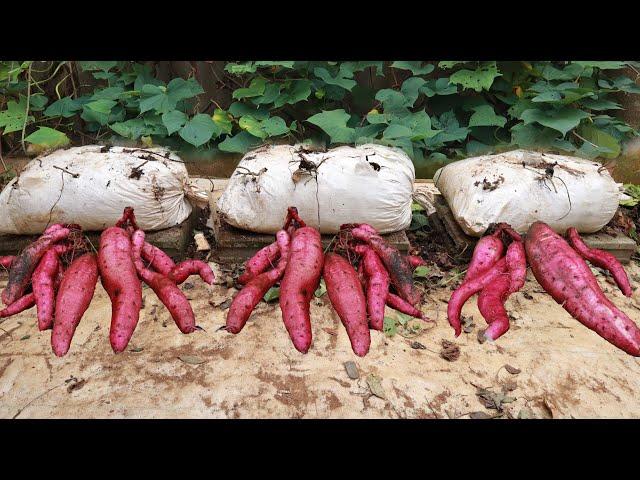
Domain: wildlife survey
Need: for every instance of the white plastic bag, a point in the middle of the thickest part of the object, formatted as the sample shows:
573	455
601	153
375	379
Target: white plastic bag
558	190
366	184
91	185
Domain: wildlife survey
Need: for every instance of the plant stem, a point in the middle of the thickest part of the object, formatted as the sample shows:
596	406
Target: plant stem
26	113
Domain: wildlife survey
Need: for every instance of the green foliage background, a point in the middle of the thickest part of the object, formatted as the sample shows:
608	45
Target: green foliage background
433	110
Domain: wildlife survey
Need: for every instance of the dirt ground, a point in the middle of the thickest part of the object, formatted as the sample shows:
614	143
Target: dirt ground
547	365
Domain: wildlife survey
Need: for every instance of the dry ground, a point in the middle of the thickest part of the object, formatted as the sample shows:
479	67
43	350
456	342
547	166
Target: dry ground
566	370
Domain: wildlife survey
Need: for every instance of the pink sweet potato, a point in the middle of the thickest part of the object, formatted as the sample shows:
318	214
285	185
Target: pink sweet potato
401	305
246	299
377	281
416	261
120	279
516	263
6	261
183	270
165	289
301	278
348	300
74	296
260	262
20	305
487	252
601	259
23	266
491	305
159	261
43	282
469	288
565	275
399	268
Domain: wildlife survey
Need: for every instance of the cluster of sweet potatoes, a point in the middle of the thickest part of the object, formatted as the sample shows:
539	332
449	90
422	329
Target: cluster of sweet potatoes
63	276
559	266
296	259
58	275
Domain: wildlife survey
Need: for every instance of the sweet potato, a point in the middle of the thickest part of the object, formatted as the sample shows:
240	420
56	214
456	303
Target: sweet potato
183	270
348	300
565	275
399	268
74	296
491	305
246	299
469	288
401	305
300	280
6	261
159	261
601	259
377	281
20	305
23	266
416	261
120	280
165	289
43	282
516	263
487	252
260	262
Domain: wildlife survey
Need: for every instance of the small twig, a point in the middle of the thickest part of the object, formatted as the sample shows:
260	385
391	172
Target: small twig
26	113
74	175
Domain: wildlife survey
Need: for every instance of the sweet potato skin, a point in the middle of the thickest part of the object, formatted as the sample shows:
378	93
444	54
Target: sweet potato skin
491	305
74	296
564	274
246	299
348	300
300	280
260	262
160	261
377	281
399	268
23	266
416	261
487	252
516	263
43	282
164	288
5	261
184	270
401	305
120	280
601	259
467	289
20	305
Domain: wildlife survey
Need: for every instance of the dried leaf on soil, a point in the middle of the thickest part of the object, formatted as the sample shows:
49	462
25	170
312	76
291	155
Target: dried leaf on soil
418	346
450	351
191	359
512	370
492	400
479	416
375	386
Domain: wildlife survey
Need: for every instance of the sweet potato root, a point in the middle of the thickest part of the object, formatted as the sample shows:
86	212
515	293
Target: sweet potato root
399	268
348	300
246	299
491	305
260	262
20	305
601	259
487	252
120	279
184	270
74	296
165	289
43	282
23	266
159	261
6	261
301	278
565	275
416	261
401	305
377	287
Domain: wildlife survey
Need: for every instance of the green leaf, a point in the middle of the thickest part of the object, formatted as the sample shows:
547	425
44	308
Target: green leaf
600	104
610	65
181	89
411	89
341	79
287	65
562	120
109	93
174	121
91	66
485	116
272	294
13	118
321	290
223	120
133	128
252	126
608	145
48	138
421	272
397	131
255	89
274	126
416	68
390	327
449	64
240	143
296	91
240	68
65	107
271	93
99	111
37	102
392	101
334	123
418	220
238	110
479	79
154	97
199	130
532	135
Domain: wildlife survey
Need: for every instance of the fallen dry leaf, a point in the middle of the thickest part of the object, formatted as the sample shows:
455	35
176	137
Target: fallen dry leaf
375	386
450	351
512	370
191	359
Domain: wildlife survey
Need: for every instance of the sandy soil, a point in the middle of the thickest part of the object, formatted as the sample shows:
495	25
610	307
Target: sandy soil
565	370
